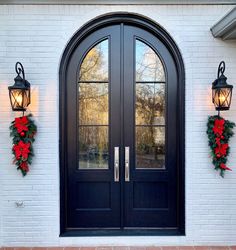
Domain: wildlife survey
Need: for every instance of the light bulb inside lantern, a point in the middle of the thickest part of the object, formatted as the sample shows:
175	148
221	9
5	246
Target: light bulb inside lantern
19	100
222	98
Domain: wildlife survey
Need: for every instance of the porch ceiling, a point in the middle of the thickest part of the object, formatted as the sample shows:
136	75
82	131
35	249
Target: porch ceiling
225	28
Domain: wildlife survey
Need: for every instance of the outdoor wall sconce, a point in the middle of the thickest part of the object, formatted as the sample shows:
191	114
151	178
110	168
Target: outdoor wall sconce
221	91
19	93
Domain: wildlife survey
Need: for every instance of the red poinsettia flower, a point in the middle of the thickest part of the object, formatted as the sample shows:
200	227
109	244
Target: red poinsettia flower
221	149
21	124
21	149
223	166
24	166
219	126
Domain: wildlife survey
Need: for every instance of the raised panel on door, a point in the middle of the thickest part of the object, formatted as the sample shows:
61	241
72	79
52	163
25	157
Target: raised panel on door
150	112
93	131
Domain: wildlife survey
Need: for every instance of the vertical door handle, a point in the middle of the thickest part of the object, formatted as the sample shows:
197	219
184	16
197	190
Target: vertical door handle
127	164
116	164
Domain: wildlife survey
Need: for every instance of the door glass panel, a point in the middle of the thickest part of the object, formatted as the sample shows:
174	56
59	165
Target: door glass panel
148	65
93	147
150	104
95	64
150	109
93	103
93	107
150	147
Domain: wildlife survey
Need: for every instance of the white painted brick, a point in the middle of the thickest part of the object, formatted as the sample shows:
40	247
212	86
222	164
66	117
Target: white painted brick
36	36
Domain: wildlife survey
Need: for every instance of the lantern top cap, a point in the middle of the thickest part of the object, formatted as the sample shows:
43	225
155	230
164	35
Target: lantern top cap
20	83
220	82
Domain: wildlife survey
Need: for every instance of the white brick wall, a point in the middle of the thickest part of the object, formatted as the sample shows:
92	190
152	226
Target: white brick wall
36	36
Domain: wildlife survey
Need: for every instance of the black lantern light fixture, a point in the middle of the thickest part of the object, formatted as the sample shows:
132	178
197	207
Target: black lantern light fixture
221	91
19	93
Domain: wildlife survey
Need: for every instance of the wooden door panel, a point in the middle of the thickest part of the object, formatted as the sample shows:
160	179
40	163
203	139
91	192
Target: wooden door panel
93	199
151	193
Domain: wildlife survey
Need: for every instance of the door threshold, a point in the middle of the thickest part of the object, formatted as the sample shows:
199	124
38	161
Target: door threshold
123	232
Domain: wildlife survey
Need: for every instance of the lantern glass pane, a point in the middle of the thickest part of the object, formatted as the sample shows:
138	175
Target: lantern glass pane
20	99
221	98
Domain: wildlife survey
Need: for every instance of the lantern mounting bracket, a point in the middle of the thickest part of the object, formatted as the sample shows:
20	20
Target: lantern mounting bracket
20	70
221	69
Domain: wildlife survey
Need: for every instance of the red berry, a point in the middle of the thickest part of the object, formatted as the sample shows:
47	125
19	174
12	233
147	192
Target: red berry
222	137
22	134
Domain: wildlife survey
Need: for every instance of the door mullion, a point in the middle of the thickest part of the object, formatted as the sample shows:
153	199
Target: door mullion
128	129
122	203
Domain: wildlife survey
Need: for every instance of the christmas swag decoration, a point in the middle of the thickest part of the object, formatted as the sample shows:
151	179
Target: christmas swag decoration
219	132
23	130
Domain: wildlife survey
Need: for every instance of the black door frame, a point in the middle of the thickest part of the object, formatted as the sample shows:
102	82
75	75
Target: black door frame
158	31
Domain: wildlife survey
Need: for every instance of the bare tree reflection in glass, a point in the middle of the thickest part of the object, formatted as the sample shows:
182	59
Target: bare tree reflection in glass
150	108
95	64
93	106
148	65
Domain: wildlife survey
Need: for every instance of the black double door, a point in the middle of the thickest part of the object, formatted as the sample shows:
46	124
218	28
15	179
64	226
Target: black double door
121	88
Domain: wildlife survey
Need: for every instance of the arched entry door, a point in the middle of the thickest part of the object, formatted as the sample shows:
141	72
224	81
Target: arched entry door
121	133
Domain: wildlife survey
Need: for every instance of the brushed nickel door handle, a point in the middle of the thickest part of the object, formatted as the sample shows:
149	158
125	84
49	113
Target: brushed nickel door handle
116	164
127	164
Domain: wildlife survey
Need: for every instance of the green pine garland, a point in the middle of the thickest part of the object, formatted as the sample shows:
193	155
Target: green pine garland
23	130
219	132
